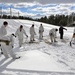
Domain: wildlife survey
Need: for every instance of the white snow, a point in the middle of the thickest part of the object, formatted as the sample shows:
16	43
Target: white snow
39	58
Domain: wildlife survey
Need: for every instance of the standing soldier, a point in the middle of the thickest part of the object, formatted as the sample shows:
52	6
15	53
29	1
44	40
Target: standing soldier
3	32
5	42
61	32
20	31
41	30
52	34
32	33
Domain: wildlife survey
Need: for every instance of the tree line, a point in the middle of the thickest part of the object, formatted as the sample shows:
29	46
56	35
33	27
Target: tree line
65	20
15	17
52	19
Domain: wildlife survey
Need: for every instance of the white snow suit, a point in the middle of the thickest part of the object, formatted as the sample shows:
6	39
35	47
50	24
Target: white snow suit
32	33
3	31
3	36
41	30
20	36
12	40
4	50
8	51
52	34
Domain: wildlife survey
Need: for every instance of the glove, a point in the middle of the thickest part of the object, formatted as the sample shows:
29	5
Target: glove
15	36
27	35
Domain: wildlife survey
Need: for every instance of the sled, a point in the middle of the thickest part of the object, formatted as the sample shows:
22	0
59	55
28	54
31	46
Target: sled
46	41
35	42
5	41
64	41
52	43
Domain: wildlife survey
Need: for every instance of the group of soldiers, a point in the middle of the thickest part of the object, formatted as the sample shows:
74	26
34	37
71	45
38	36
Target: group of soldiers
7	43
20	31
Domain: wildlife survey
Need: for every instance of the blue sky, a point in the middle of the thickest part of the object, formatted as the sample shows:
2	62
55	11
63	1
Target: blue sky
37	8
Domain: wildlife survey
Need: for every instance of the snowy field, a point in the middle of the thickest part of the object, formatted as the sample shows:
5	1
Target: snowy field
39	58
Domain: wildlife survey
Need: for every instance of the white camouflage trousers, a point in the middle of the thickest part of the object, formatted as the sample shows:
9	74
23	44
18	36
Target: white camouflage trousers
52	38
20	42
40	36
32	38
7	51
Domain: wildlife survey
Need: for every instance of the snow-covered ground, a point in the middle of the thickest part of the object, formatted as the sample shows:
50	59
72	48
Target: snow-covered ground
39	58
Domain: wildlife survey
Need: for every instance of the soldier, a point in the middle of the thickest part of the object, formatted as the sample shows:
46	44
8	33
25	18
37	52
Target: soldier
41	30
61	32
32	33
3	32
20	31
8	51
52	34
